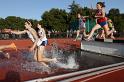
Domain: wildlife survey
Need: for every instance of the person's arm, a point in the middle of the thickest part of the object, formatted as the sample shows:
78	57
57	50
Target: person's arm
18	32
85	16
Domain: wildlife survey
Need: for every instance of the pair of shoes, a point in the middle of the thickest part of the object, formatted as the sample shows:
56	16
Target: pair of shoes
13	46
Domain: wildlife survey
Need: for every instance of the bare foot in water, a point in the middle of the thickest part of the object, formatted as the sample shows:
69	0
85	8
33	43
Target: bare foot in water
54	60
13	46
7	55
44	64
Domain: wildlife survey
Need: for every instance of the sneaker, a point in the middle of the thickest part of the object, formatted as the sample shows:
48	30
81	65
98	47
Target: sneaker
13	46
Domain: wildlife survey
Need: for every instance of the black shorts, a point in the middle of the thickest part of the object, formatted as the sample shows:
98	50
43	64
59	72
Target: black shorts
44	43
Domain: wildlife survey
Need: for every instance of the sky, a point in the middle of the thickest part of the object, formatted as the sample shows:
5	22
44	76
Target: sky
33	9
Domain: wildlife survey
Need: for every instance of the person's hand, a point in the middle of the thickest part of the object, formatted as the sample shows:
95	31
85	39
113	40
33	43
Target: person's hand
29	23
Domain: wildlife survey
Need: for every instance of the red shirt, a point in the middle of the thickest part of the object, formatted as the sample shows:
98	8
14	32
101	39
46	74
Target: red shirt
99	13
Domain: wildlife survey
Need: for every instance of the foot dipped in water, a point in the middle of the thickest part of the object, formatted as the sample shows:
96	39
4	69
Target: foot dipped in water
7	55
12	45
43	63
54	60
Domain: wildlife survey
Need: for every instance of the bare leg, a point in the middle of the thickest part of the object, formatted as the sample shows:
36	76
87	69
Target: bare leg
49	60
77	34
97	26
112	37
41	56
35	54
44	64
107	32
103	34
84	32
12	45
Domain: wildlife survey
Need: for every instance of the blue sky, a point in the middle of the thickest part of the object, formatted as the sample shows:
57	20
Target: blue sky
33	9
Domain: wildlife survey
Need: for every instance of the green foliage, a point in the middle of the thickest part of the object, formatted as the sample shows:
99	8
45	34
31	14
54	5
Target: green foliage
55	19
15	23
114	11
117	18
2	23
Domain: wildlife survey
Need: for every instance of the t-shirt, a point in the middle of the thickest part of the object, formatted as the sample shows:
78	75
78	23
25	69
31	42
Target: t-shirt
82	22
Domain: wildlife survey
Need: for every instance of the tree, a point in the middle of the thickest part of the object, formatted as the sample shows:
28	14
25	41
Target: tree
114	11
74	10
15	23
117	19
55	19
2	23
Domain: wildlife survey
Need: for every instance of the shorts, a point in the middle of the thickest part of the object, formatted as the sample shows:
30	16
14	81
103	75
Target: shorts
102	23
82	26
44	43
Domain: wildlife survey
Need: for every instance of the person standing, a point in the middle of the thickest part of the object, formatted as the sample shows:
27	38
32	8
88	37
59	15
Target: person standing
101	21
82	26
